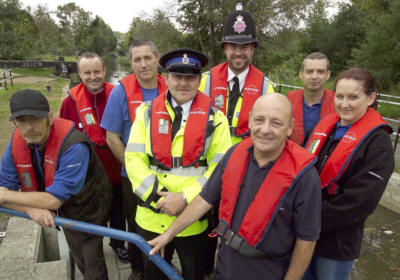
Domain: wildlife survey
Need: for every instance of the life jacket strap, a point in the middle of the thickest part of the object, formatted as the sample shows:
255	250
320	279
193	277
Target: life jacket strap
176	163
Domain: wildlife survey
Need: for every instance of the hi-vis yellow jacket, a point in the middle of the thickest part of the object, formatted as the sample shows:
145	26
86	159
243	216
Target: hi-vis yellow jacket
143	171
212	83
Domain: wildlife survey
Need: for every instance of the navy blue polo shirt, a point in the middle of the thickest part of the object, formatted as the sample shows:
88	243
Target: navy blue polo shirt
299	217
311	115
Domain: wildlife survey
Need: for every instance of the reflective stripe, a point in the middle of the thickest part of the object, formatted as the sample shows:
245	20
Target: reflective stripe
135	147
217	157
147	116
202	180
265	86
181	171
207	89
147	183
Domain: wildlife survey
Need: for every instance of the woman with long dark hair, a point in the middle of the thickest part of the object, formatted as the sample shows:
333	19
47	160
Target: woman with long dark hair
355	162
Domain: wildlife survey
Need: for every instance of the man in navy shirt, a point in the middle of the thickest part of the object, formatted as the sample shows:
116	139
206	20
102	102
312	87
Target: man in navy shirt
144	85
57	169
314	102
268	193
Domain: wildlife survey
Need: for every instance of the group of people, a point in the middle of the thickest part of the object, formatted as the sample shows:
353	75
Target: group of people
286	183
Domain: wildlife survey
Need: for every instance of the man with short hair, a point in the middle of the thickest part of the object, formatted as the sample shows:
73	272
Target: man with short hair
235	84
144	85
57	169
314	102
269	198
174	145
85	106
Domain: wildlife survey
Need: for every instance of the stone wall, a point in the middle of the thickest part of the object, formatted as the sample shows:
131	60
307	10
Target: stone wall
391	196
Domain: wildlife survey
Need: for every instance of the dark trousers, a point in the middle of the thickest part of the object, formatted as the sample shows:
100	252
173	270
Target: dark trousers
117	217
87	251
191	251
130	205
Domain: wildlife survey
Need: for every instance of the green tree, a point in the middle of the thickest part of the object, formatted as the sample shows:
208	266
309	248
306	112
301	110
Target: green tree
49	39
380	52
17	31
157	28
97	37
337	37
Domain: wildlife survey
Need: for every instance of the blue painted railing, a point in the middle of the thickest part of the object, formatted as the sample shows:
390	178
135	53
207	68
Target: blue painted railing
109	232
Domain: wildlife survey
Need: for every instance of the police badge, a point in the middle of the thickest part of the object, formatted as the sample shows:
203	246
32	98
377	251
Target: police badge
239	26
185	59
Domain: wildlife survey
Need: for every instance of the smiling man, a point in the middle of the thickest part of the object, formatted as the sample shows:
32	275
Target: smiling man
85	105
144	85
57	170
314	102
174	145
235	84
268	194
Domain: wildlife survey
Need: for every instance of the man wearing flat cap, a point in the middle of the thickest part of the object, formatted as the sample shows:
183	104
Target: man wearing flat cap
235	84
57	170
174	145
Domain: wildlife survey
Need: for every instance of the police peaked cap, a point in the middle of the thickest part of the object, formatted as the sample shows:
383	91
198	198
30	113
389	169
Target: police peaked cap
184	61
239	28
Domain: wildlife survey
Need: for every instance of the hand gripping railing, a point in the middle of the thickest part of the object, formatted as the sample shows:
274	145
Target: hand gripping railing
109	232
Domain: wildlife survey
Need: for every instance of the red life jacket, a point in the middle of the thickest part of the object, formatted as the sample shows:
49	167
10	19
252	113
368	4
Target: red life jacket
293	161
296	98
133	92
340	158
23	159
194	135
86	114
95	133
253	86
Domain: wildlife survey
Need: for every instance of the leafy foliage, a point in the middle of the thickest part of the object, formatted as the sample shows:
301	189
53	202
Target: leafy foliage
17	30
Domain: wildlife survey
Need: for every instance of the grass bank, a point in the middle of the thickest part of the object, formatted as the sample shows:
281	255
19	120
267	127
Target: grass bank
38	79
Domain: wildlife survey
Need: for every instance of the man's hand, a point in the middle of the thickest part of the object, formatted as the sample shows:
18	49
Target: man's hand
159	243
42	217
172	204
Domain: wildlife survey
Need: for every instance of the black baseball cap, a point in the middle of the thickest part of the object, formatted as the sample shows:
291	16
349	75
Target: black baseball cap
184	61
29	102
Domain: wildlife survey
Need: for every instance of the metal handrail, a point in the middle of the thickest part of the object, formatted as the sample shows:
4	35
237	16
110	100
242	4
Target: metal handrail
109	232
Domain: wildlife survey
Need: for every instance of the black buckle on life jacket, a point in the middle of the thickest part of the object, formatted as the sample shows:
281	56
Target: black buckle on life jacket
232	130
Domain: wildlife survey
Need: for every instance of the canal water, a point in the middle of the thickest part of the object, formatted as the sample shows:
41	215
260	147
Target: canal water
380	253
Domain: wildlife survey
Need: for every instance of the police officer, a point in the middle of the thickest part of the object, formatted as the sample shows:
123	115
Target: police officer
174	145
235	84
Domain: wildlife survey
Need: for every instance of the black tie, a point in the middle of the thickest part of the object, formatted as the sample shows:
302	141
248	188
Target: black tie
177	121
233	99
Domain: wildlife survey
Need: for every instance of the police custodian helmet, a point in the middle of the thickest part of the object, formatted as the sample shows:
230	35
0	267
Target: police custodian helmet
239	28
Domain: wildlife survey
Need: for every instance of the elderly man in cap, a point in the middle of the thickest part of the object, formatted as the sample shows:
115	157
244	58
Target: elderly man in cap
174	145
235	84
269	198
57	170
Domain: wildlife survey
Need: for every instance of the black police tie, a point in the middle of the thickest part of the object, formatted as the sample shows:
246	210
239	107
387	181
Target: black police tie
177	121
233	98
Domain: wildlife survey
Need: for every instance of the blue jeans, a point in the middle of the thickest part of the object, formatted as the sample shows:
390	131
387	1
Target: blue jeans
328	269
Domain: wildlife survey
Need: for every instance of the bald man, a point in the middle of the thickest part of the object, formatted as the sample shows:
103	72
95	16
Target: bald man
268	193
